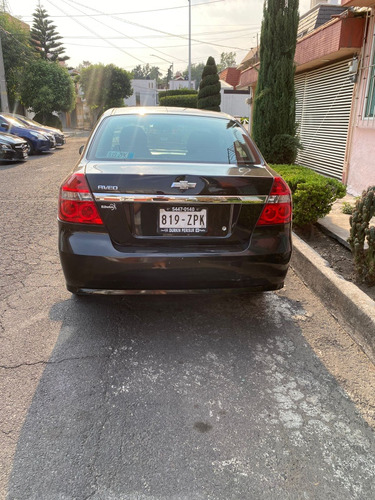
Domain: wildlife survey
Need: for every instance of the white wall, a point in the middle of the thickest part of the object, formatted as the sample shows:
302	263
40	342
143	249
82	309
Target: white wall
234	103
144	93
181	84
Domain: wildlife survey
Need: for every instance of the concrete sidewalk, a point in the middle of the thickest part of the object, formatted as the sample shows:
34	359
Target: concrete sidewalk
75	132
354	309
336	224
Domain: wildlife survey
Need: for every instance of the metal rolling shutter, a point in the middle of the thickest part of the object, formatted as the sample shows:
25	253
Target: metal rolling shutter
324	99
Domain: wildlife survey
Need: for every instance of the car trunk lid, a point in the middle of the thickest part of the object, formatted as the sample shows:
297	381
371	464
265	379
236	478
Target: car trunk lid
199	204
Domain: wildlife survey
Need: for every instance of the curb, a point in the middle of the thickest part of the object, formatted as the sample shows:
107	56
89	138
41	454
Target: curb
352	307
76	133
338	233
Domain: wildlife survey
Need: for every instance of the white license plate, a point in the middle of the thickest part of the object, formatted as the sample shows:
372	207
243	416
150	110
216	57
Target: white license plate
183	220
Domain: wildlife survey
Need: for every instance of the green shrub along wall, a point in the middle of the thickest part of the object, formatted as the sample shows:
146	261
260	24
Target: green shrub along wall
165	93
182	101
48	119
313	194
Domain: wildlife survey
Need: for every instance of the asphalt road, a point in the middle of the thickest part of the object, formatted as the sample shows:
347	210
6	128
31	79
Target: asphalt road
167	398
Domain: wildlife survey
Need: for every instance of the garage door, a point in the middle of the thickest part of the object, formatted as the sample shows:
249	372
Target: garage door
324	99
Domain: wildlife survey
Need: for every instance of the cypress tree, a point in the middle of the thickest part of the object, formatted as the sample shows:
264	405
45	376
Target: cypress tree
209	96
45	38
274	123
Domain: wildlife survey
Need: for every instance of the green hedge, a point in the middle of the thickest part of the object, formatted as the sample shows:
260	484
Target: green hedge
48	119
165	93
313	194
180	101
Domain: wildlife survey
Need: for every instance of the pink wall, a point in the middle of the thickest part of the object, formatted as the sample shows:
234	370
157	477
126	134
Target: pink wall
361	172
361	146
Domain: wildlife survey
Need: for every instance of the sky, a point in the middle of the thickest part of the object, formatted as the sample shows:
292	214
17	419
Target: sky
127	33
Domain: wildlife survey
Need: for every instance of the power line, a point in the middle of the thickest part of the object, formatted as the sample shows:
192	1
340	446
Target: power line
136	48
203	33
98	36
134	11
247	36
126	36
160	31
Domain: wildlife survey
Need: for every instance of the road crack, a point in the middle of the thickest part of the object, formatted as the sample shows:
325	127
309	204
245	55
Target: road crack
54	362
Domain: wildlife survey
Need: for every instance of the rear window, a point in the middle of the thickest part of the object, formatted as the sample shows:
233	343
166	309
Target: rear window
172	138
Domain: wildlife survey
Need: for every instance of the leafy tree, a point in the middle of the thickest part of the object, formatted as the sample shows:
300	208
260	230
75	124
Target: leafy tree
105	87
227	60
17	52
274	123
84	64
196	73
167	78
47	87
44	37
209	96
146	72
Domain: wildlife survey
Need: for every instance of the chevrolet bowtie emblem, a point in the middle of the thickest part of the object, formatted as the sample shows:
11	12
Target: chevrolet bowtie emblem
183	185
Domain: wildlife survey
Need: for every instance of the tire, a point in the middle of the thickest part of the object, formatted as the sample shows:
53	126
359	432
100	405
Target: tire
30	147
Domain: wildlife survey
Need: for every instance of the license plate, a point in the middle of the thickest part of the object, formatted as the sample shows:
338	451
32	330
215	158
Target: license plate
183	220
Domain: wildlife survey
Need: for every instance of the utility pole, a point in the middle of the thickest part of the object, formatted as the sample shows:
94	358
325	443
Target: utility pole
3	83
189	44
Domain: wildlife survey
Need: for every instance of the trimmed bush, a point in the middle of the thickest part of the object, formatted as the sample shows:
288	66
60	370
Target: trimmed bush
209	96
165	93
179	101
313	194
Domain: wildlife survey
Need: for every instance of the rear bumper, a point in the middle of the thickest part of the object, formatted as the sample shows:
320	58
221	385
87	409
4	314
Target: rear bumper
91	264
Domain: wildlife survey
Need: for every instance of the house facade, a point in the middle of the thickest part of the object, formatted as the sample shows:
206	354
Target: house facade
325	89
144	93
360	153
334	77
179	82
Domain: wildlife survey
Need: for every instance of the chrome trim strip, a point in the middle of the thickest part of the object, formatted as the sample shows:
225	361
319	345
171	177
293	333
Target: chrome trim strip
194	291
170	198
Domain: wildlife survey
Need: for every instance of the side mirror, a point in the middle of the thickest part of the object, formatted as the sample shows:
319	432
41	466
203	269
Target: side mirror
81	149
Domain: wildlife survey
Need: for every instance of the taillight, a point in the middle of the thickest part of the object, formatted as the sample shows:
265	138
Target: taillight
278	207
76	203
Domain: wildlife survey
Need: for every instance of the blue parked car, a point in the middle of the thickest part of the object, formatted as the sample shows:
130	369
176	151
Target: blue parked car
37	142
44	129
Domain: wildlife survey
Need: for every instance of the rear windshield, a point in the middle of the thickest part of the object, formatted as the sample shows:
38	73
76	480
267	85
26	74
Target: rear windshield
172	138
